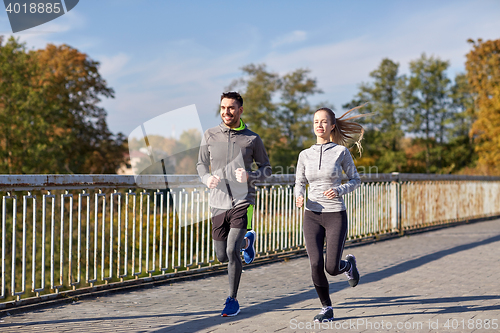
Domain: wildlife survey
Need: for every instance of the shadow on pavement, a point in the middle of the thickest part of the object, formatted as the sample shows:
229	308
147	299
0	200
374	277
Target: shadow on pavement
429	310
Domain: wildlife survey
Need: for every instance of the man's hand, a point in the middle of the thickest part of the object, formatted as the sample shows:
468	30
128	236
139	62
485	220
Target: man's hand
330	194
299	201
241	175
213	181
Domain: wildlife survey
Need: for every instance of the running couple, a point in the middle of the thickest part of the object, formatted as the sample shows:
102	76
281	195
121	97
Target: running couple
224	165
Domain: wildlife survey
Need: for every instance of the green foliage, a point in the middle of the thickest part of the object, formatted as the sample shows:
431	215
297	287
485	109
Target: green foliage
425	100
419	122
49	114
382	141
435	113
277	108
459	154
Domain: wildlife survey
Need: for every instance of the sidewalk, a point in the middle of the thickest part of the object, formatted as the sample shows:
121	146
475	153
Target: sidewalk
417	283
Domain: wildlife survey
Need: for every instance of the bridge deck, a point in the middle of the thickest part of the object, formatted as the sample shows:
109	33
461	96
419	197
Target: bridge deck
415	283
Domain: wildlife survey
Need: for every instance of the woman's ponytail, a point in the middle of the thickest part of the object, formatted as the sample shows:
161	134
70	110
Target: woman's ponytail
345	129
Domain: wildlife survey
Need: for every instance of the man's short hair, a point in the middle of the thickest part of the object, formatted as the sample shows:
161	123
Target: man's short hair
233	95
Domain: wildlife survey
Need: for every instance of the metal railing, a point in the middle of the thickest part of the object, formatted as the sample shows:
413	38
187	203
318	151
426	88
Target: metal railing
69	232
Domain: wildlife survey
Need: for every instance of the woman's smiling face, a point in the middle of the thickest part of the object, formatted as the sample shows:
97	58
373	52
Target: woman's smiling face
322	125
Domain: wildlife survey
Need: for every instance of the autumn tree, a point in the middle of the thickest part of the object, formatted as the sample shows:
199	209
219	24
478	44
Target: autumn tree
50	118
483	74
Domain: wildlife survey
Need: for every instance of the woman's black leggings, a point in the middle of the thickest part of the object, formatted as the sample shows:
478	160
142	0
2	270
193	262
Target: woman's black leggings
332	227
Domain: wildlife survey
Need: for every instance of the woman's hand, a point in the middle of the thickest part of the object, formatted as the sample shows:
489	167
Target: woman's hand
299	201
330	194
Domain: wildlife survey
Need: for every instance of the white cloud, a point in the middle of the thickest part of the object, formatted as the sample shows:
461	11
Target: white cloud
339	63
290	38
113	66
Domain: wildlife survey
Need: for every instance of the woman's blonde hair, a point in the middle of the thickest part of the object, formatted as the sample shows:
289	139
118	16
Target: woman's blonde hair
345	129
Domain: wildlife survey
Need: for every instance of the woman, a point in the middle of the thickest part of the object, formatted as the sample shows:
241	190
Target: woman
325	213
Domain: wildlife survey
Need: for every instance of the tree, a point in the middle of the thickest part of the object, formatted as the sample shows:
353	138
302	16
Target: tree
435	111
260	87
382	143
425	97
483	74
19	120
459	153
50	118
277	108
294	116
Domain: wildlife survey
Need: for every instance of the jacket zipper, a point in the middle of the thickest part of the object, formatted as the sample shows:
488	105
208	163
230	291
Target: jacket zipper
227	164
320	156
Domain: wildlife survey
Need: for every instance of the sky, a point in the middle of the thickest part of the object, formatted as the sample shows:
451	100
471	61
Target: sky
162	55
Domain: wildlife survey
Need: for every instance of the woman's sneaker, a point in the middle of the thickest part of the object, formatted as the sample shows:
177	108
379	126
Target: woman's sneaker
232	307
352	274
249	252
326	314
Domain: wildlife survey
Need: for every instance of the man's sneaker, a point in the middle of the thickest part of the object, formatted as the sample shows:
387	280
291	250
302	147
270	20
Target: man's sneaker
352	274
326	314
232	308
249	252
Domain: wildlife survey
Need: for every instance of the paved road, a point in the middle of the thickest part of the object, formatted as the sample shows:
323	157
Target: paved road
417	283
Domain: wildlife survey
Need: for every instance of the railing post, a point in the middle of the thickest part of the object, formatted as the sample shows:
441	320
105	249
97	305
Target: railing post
396	222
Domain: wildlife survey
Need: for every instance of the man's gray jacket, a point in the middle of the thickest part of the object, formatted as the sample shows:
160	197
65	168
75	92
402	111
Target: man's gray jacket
224	150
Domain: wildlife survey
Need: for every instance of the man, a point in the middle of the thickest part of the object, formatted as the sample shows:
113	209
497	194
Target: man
230	149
